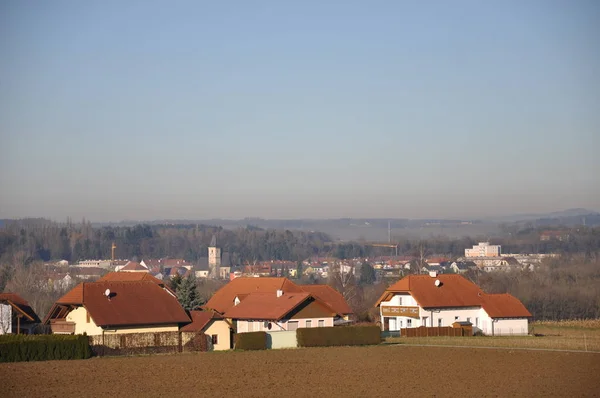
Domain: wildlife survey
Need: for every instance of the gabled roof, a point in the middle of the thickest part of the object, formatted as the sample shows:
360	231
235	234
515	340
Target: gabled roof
134	266
131	303
20	304
73	296
267	306
329	296
200	320
223	299
455	291
504	306
133	277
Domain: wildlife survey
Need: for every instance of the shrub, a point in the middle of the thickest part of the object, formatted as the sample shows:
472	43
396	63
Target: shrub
251	341
16	348
197	343
339	336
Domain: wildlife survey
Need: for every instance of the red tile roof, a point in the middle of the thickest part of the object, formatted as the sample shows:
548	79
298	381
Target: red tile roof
133	277
223	299
455	291
200	320
131	303
329	296
133	266
20	304
73	296
504	306
267	306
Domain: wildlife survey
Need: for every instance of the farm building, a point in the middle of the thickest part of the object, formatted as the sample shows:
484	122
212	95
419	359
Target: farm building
16	315
113	307
255	304
440	300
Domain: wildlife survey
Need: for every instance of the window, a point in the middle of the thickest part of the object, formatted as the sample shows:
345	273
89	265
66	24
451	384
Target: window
399	300
468	319
87	317
308	324
292	325
214	339
456	318
409	323
424	321
477	322
321	323
439	322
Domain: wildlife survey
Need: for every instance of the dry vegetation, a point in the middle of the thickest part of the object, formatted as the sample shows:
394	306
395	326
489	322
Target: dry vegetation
340	371
579	335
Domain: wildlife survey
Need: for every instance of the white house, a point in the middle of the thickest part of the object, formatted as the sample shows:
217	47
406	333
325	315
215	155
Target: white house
16	315
440	300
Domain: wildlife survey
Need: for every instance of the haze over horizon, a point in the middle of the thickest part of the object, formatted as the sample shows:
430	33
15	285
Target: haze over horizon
198	110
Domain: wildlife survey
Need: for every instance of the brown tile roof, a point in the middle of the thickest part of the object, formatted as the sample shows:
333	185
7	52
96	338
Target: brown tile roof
329	296
73	296
20	304
131	303
267	306
455	291
133	266
223	299
133	277
504	306
200	320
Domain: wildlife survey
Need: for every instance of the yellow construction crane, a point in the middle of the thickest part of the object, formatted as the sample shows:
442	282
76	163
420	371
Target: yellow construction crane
112	251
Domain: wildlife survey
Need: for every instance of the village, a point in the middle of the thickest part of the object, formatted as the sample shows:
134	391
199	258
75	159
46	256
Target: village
134	305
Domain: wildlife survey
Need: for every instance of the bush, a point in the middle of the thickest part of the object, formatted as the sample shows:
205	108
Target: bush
197	343
339	336
16	348
251	341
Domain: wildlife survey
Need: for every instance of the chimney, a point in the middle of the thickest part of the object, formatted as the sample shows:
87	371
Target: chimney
279	293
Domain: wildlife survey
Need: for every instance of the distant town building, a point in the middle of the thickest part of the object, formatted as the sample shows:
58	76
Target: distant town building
214	259
483	249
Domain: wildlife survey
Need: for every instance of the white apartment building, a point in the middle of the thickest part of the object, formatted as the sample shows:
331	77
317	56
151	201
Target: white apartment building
483	249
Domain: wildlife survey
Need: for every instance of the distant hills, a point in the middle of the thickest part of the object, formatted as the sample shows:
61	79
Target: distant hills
376	229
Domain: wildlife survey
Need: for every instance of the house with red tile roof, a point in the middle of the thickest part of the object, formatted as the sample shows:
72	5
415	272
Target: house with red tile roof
268	303
279	311
214	325
116	306
16	315
440	300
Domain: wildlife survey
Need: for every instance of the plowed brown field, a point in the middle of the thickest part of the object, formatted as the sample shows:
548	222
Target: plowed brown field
345	371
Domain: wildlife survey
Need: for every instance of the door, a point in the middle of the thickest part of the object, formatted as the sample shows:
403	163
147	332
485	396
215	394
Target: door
393	326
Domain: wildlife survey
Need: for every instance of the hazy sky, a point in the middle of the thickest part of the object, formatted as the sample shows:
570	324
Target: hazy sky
286	109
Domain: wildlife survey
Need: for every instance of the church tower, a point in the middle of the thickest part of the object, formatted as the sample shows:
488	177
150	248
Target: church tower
214	259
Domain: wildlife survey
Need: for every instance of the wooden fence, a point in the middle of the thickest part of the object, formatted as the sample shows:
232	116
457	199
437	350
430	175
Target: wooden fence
142	343
423	331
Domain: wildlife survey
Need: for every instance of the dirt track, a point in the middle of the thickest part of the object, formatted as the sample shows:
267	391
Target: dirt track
361	371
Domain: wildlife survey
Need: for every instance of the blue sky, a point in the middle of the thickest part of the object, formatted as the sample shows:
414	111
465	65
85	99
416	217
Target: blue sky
147	110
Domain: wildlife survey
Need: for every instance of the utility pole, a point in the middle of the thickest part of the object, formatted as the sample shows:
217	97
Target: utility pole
389	232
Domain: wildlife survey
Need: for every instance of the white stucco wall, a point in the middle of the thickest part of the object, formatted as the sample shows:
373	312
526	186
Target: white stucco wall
221	329
243	326
447	316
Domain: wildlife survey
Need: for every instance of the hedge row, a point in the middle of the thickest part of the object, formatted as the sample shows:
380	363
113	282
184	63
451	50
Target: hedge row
16	348
339	336
251	341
